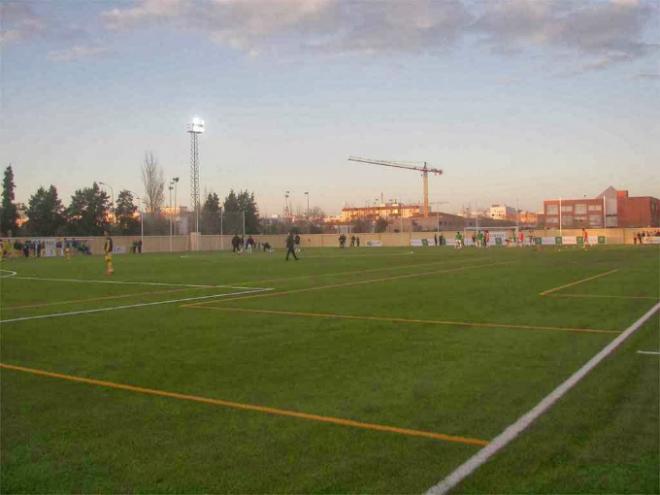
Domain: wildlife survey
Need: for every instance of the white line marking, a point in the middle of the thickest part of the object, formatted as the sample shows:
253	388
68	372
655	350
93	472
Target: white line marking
11	274
126	282
129	306
652	353
512	431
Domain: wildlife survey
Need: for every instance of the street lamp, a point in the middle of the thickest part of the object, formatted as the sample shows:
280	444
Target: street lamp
307	194
141	217
172	186
175	181
112	192
287	210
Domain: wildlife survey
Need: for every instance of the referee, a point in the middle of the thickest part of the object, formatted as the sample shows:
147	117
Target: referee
291	247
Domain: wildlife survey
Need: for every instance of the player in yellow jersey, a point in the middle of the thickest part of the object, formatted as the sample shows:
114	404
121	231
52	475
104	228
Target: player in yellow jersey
107	250
67	249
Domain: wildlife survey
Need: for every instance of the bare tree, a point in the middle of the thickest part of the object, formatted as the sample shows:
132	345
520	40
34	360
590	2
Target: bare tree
154	183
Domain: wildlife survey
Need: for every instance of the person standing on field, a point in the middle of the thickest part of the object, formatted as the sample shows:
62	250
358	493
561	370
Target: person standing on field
107	250
291	247
458	241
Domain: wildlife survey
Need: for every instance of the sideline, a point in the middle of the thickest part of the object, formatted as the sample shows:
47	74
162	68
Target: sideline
515	429
95	299
130	282
251	407
131	306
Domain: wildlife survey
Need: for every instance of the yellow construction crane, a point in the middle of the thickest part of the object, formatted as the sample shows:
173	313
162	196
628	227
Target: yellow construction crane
425	169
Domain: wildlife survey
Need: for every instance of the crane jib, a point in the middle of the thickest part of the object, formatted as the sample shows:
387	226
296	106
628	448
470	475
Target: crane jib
425	173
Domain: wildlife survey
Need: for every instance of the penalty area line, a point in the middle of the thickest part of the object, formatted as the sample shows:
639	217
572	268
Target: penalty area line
602	296
515	429
581	281
131	306
252	407
363	282
650	353
393	319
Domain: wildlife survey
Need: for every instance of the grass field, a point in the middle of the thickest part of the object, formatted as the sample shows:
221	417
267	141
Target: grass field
357	370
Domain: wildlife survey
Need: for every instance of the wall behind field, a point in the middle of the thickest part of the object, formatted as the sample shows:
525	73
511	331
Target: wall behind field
180	243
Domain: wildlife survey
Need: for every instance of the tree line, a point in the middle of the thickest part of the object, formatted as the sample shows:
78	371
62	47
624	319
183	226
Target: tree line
91	211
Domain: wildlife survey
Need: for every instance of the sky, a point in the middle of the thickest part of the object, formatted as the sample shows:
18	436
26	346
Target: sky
516	101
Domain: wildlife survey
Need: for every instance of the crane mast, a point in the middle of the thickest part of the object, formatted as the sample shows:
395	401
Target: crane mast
425	169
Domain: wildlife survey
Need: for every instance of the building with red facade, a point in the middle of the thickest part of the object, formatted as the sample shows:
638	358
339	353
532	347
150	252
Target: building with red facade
611	208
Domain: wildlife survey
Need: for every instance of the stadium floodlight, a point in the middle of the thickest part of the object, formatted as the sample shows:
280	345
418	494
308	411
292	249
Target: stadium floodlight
196	126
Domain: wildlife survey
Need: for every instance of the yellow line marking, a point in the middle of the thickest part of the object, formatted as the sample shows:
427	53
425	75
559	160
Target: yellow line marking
355	272
358	282
605	296
550	291
94	299
251	407
405	320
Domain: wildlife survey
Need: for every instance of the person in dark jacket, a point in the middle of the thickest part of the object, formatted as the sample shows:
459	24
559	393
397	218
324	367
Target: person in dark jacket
291	247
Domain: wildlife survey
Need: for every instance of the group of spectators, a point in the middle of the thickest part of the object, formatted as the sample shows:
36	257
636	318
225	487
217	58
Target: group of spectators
355	241
241	245
37	247
136	247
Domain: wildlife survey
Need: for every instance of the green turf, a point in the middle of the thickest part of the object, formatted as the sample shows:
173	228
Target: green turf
462	380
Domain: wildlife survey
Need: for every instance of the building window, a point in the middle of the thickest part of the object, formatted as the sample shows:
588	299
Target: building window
551	210
595	220
580	209
595	207
567	209
567	220
552	220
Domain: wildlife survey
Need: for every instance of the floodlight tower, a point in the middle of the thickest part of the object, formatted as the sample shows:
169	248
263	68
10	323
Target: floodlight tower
195	128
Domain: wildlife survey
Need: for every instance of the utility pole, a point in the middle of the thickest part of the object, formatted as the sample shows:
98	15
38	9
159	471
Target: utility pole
170	187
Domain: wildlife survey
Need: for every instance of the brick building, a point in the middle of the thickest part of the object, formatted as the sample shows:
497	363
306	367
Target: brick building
611	208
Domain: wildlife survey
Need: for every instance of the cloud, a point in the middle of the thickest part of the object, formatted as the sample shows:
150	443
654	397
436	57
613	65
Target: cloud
19	22
321	25
602	32
76	52
648	76
596	33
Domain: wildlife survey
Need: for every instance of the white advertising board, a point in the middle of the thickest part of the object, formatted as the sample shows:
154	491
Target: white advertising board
499	234
50	247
